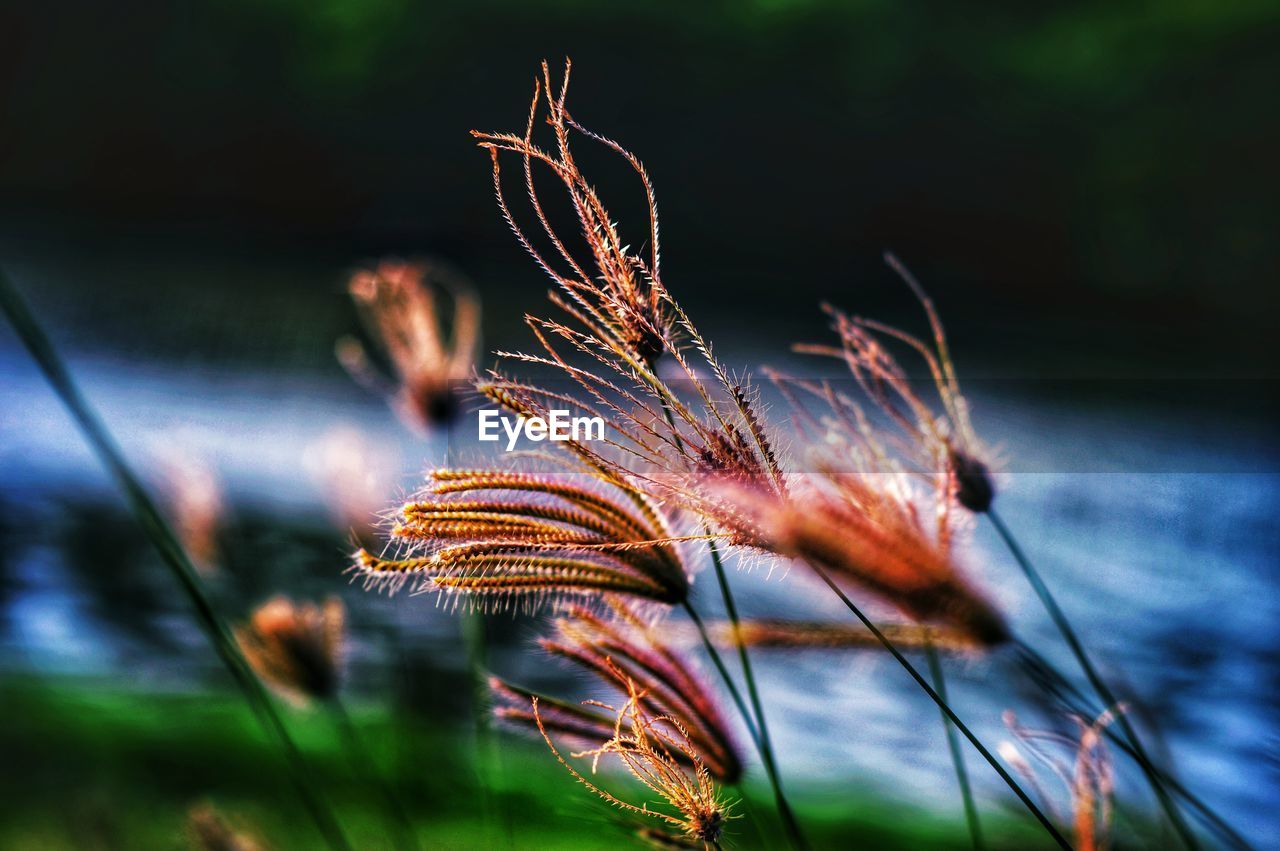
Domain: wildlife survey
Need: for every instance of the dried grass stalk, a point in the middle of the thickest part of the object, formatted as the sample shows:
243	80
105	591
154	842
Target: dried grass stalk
820	635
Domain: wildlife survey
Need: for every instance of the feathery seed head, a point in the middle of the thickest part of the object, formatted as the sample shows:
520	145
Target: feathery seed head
401	305
973	486
864	515
941	442
499	536
353	473
623	320
658	752
209	831
296	647
705	448
628	644
867	531
618	291
195	502
1088	776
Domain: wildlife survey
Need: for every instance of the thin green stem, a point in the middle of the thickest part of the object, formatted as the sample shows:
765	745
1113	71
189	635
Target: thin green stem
171	552
475	641
724	672
947	711
760	731
753	693
401	825
1054	681
1104	692
784	808
953	743
487	755
473	638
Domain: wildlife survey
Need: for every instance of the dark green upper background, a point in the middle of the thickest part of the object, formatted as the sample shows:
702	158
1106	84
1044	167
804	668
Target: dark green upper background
1078	184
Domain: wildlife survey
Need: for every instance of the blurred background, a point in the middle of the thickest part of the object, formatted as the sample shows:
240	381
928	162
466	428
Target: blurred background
1088	190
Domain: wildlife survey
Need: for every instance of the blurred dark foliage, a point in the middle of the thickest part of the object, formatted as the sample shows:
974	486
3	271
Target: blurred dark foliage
1078	183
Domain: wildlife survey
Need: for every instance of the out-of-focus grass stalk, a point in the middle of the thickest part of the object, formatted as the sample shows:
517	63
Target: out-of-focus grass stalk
744	809
488	758
171	552
1104	692
475	642
405	836
947	711
953	743
1054	681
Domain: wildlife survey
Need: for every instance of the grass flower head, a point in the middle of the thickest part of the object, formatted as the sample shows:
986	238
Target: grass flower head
196	504
870	531
647	746
628	644
937	443
296	647
618	293
402	305
1087	776
498	536
621	318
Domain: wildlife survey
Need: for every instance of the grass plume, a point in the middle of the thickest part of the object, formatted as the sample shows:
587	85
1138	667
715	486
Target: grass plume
936	443
629	644
1087	775
647	746
499	536
403	307
296	648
